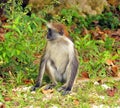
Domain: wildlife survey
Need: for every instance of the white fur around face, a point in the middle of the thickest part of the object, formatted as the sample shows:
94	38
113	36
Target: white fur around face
49	25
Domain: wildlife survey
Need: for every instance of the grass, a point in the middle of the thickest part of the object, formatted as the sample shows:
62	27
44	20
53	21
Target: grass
84	95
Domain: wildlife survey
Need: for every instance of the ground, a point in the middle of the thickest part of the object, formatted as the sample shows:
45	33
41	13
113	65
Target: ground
86	94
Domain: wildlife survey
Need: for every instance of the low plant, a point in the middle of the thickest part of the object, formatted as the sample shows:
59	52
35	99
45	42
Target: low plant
93	55
105	20
23	40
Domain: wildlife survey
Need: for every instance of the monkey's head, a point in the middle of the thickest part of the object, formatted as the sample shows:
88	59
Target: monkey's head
56	30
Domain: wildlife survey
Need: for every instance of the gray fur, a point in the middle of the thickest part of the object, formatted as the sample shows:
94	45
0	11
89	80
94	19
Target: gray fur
59	62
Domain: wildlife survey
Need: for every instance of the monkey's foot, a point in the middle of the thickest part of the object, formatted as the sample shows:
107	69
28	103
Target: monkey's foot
64	90
61	89
49	86
35	87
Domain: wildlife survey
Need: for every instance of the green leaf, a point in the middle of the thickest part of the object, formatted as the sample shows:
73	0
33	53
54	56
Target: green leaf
109	43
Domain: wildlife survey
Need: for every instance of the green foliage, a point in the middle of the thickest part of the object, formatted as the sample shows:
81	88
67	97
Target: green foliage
93	55
23	40
109	43
109	20
68	15
105	20
119	7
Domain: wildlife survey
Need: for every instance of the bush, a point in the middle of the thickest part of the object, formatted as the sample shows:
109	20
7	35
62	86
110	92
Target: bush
22	41
105	20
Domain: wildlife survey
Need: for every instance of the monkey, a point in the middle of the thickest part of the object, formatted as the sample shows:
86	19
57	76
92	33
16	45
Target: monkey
59	60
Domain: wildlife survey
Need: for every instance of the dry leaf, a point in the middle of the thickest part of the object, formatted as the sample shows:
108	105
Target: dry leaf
37	61
72	28
2	37
7	99
2	30
98	34
27	81
85	31
114	71
111	92
86	59
47	91
109	62
3	19
37	55
85	75
100	81
76	102
116	35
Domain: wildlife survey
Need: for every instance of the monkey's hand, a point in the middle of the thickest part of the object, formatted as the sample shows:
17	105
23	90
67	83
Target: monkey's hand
64	90
49	86
35	87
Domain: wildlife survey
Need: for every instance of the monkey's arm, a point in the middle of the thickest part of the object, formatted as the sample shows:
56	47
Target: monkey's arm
74	66
40	75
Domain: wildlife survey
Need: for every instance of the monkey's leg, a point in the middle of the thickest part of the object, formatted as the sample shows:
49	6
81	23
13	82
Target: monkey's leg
40	75
53	74
64	78
71	72
62	88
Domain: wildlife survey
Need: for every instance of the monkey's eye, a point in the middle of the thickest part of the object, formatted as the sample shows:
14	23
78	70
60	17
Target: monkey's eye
61	32
49	31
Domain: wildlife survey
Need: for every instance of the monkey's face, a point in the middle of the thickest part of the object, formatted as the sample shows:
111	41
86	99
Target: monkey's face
53	34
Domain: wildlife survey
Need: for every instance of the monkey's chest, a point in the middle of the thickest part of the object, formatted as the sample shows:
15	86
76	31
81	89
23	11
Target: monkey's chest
59	57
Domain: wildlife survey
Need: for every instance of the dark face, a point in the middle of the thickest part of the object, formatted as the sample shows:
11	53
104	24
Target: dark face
52	34
49	34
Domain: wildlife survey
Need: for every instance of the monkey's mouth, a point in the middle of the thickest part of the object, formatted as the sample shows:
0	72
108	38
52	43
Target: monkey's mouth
50	38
